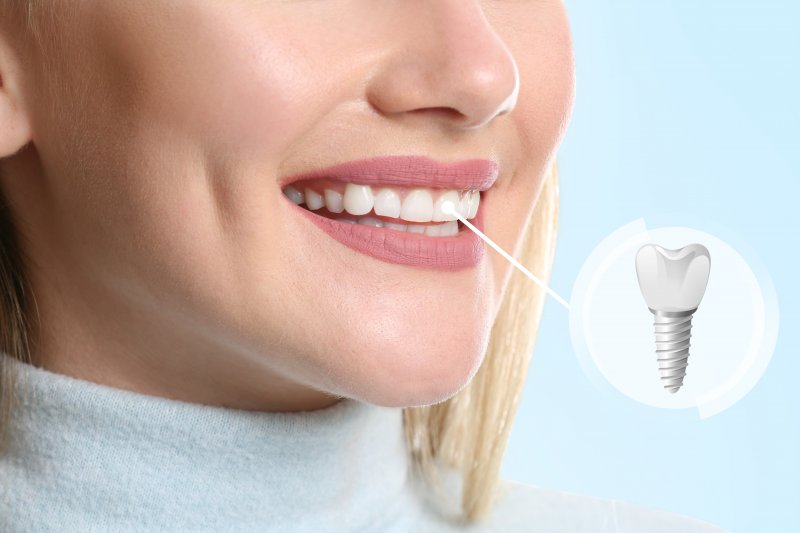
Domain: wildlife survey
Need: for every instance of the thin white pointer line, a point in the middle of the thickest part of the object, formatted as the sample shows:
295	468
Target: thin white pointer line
448	208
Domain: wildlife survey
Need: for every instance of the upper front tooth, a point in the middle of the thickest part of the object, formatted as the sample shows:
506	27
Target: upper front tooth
474	200
333	201
463	204
387	203
358	199
293	194
438	214
417	206
313	199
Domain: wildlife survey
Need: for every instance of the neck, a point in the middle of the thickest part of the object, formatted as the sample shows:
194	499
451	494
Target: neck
97	445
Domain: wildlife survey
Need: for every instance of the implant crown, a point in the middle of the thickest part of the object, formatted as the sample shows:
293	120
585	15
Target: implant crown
673	280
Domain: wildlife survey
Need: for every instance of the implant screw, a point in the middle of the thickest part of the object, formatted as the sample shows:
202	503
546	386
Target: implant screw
673	330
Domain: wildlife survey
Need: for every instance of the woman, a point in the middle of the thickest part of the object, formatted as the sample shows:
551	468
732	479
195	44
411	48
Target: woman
231	300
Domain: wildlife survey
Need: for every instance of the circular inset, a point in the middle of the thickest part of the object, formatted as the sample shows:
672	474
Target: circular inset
734	329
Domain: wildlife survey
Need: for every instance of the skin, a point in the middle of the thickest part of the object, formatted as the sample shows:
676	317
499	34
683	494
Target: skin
164	257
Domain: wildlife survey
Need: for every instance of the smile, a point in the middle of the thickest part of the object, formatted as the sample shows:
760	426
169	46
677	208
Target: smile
398	209
389	208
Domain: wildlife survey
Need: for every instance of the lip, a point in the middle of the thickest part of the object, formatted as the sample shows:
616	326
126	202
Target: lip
464	250
409	171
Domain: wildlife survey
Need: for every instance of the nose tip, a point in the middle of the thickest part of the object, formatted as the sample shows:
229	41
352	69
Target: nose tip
451	58
483	112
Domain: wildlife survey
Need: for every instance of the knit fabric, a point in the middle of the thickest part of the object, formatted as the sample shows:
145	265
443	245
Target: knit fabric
88	457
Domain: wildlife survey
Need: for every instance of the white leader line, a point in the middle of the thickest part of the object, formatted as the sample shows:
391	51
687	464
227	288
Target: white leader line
449	208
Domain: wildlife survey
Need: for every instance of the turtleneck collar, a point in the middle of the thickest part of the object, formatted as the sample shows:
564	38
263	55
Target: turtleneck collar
93	453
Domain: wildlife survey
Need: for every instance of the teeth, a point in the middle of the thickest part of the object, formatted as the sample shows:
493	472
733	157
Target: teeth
434	230
474	200
293	194
313	200
358	199
448	229
333	201
387	203
392	225
438	214
463	205
370	221
418	206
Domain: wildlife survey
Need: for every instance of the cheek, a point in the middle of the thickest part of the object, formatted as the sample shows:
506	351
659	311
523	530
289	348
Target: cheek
547	85
193	117
547	88
222	79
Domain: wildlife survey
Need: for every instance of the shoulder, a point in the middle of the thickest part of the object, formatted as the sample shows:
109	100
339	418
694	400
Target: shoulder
521	506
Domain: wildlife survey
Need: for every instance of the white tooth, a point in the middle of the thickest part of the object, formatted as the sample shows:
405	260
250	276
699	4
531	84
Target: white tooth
434	230
449	229
346	221
392	225
293	194
358	199
418	206
333	201
474	200
416	228
438	214
463	204
387	203
370	221
313	200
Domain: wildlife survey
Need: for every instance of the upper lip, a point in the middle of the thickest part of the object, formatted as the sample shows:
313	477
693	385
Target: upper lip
412	171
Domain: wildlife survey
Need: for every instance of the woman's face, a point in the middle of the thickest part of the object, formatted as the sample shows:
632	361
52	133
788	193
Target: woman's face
167	258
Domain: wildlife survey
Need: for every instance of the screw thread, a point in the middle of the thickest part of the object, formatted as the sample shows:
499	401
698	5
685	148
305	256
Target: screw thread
673	332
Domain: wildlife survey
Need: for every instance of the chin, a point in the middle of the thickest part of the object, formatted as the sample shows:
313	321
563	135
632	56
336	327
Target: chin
417	372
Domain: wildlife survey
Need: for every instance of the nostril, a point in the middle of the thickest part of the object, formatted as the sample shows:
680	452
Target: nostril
448	112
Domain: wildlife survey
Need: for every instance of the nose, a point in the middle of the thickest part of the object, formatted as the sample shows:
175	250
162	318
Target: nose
446	60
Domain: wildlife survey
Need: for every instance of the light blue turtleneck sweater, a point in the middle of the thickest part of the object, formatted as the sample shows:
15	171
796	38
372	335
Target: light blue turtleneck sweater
88	457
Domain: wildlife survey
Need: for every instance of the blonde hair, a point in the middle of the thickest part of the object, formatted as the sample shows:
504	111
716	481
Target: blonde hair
468	432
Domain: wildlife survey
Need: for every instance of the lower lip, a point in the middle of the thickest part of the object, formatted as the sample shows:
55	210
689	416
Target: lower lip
464	250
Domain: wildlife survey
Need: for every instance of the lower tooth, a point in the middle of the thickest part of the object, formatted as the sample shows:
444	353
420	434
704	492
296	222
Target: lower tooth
369	221
446	229
449	229
392	225
434	230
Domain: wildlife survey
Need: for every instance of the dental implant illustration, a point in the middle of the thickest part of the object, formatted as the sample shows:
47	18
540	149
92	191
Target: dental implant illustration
673	282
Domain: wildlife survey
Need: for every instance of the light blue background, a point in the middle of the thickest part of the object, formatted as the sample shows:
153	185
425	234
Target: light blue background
682	107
